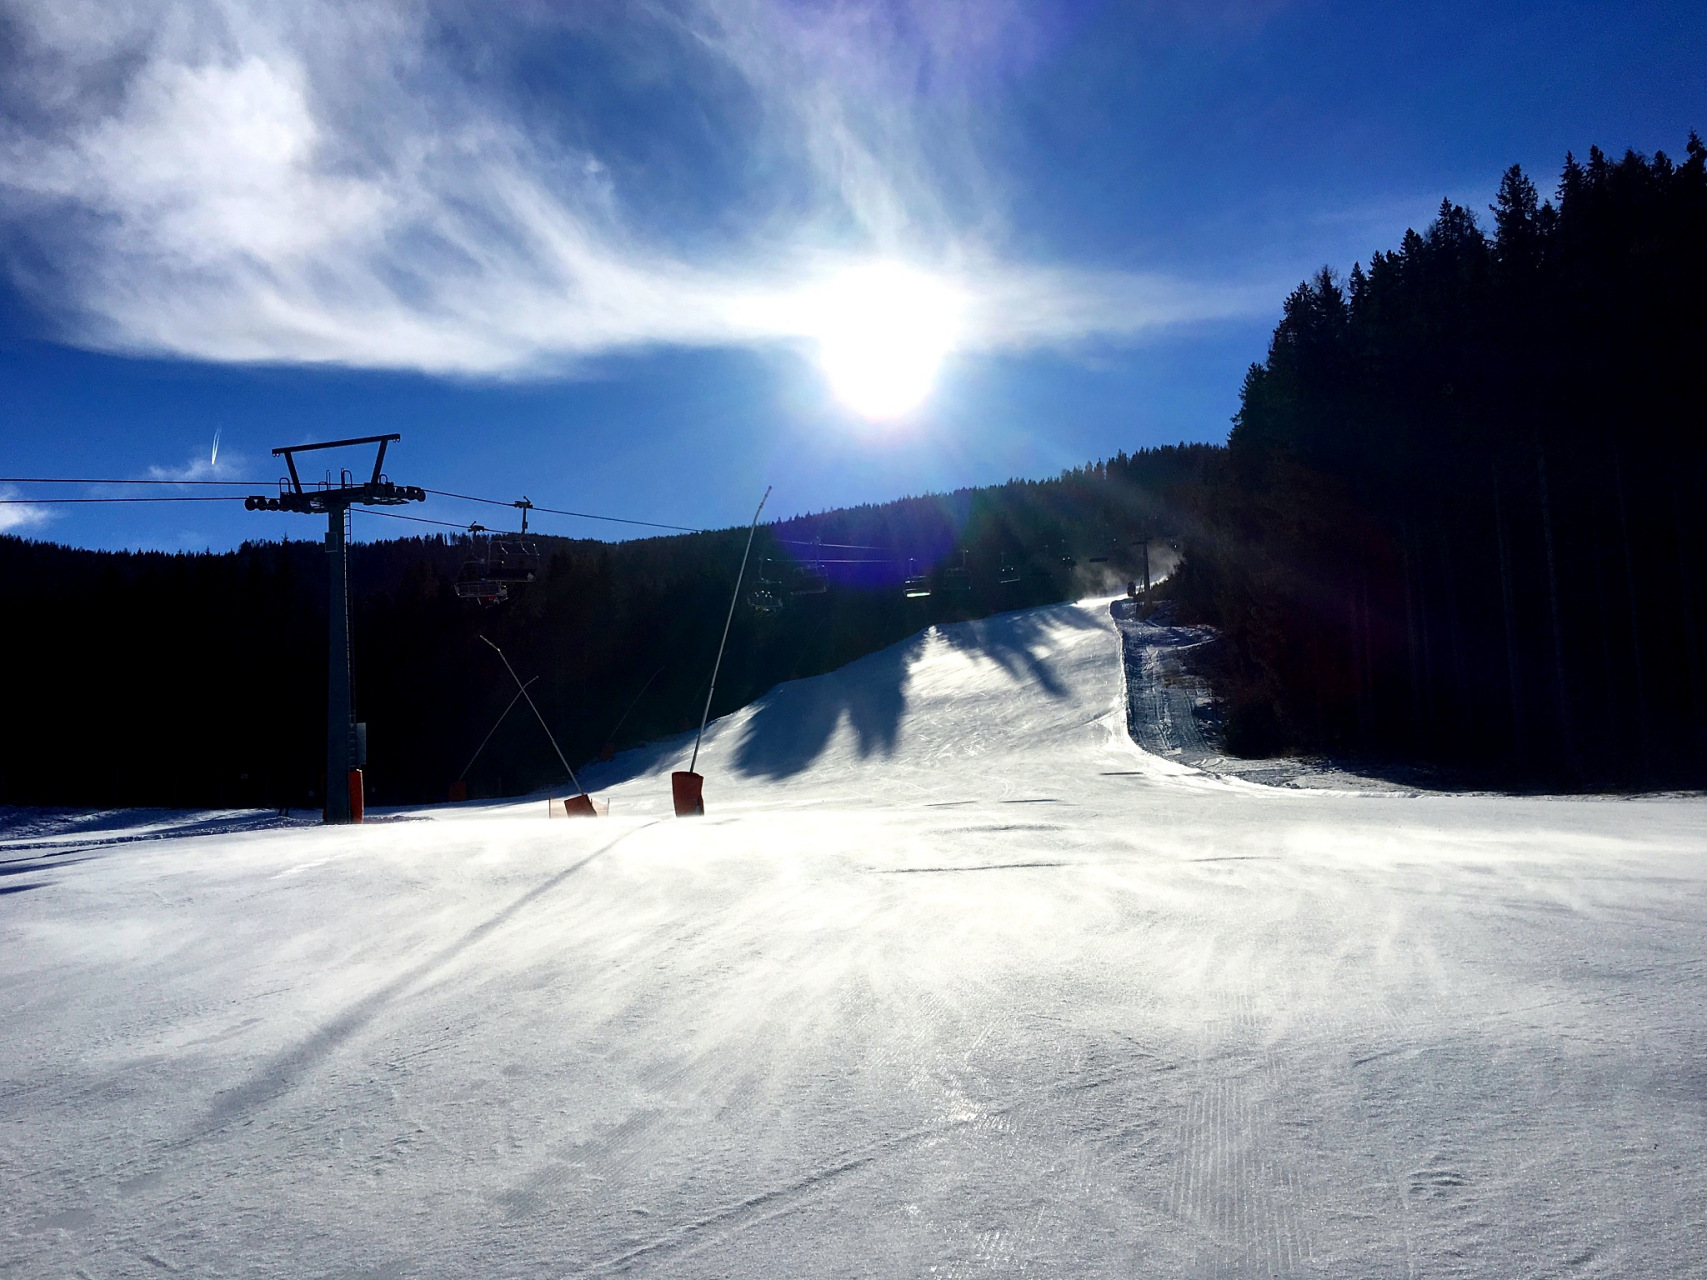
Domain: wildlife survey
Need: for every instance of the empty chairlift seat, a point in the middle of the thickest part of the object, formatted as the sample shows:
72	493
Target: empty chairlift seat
491	566
916	585
958	576
810	580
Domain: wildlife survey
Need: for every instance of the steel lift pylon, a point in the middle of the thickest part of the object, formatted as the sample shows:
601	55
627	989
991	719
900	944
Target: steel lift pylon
344	799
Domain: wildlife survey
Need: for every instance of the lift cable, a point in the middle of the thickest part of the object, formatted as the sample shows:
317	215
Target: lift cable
833	546
59	502
230	484
868	560
443	493
579	515
391	515
260	484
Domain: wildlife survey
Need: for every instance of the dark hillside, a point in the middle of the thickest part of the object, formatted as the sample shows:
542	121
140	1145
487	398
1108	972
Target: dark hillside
187	680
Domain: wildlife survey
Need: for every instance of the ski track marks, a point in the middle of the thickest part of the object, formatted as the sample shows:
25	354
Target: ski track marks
1039	986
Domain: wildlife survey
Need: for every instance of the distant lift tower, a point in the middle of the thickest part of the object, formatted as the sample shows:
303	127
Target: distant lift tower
335	498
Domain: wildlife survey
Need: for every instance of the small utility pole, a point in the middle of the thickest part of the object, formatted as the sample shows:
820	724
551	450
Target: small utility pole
343	781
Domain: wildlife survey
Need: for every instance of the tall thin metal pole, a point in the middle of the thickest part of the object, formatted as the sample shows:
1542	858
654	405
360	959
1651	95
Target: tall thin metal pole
524	691
338	670
733	600
514	698
635	703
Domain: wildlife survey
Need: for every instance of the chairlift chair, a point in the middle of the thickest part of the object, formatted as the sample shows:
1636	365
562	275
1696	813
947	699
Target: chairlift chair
958	577
1009	573
512	560
471	580
763	598
810	578
494	565
917	585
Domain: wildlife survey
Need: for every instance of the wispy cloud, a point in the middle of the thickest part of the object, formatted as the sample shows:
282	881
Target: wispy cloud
367	184
16	516
230	466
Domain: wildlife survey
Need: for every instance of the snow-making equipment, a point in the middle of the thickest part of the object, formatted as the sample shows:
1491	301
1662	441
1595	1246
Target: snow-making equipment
608	751
459	788
687	788
579	805
333	499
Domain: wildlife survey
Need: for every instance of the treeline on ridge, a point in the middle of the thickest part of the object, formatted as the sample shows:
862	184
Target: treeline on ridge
199	679
1459	519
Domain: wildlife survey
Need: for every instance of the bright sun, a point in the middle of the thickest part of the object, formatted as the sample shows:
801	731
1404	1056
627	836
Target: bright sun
883	331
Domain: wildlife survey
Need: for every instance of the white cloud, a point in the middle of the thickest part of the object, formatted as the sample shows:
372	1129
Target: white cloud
225	466
227	180
16	516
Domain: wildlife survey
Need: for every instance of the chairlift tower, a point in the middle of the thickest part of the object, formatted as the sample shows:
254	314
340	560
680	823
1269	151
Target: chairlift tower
335	500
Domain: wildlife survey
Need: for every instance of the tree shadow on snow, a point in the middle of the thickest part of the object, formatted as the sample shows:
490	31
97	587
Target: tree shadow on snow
1020	642
791	727
792	724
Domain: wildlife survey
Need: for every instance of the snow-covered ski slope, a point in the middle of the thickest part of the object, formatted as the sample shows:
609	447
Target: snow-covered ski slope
953	980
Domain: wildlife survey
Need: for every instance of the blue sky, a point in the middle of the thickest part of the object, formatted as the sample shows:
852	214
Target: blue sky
645	258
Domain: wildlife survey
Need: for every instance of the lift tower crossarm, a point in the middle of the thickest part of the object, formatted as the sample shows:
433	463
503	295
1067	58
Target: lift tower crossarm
286	451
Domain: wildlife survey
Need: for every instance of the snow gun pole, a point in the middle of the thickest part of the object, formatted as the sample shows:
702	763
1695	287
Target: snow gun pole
514	698
734	599
524	692
635	703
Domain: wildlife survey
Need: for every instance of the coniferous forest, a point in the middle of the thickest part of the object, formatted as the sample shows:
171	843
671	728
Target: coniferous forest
200	679
1460	517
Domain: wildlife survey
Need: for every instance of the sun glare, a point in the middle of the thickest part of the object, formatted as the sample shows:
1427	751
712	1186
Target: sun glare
883	331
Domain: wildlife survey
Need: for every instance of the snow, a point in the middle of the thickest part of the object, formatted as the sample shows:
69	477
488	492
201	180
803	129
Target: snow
954	979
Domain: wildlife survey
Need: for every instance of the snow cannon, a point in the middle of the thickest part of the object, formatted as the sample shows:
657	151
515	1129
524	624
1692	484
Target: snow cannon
688	789
686	786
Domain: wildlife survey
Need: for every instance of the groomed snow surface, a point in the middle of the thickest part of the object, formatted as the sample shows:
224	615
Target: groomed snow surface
953	980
